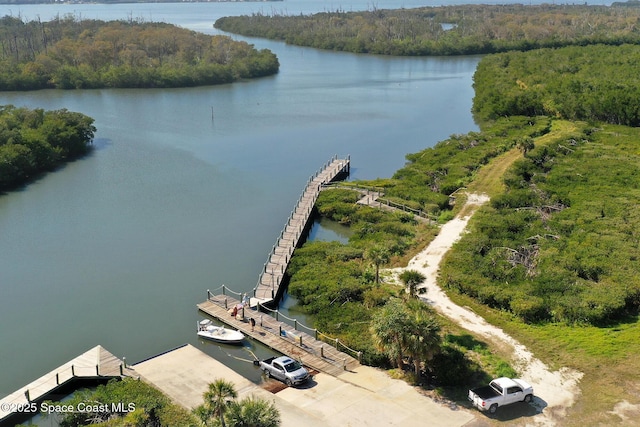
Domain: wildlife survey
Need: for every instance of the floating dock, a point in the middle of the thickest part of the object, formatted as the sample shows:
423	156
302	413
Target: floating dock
314	349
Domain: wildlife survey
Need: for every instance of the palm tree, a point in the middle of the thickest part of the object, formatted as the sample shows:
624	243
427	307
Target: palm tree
217	399
253	412
388	327
423	339
378	256
411	279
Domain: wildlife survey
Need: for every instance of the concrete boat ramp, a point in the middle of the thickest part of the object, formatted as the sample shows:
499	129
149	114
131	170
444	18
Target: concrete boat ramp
362	397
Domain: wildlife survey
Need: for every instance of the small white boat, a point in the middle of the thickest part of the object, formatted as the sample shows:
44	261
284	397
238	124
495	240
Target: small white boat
208	330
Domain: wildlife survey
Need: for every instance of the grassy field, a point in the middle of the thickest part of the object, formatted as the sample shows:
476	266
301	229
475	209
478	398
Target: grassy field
607	356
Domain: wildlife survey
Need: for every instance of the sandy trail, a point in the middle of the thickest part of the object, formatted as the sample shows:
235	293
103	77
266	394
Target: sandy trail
555	391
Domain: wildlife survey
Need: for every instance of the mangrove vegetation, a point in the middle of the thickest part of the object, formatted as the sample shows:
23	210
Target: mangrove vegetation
36	141
447	30
70	53
595	83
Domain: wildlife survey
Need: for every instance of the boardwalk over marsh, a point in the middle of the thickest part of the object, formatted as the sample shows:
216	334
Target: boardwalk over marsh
307	347
272	274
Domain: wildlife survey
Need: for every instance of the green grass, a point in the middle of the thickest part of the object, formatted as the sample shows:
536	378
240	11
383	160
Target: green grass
606	356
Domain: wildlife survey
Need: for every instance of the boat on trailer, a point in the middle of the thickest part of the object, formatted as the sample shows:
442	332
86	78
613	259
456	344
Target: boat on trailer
207	330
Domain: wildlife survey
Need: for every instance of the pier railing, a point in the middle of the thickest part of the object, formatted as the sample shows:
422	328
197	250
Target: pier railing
273	270
380	201
280	317
82	367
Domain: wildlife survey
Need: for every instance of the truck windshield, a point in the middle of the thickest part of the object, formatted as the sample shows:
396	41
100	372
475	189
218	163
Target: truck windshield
292	367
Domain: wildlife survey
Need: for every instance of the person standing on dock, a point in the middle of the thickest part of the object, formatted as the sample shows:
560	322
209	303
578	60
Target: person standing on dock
253	323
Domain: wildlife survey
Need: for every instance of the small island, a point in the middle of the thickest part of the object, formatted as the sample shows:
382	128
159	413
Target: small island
70	53
33	142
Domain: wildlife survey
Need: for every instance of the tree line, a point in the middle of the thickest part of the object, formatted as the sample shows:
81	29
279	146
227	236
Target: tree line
447	30
69	53
597	83
37	141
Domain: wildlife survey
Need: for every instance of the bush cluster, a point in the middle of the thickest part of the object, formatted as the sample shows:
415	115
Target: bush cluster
561	243
597	83
36	141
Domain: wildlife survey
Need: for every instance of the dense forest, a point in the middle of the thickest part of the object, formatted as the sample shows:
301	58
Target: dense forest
36	141
598	83
447	30
68	53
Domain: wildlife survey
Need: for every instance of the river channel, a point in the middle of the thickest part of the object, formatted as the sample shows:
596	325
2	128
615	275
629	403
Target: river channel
187	189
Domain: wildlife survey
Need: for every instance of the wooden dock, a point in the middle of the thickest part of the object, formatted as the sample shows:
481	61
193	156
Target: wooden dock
307	347
268	289
96	363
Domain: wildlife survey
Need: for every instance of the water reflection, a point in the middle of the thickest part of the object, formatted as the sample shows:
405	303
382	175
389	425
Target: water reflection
326	230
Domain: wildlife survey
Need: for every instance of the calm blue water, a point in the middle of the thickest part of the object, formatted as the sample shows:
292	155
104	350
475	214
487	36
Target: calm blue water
118	248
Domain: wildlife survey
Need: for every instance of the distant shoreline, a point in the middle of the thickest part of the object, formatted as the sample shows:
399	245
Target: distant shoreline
133	1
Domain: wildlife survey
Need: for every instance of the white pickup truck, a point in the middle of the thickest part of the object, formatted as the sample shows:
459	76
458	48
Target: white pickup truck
285	369
500	392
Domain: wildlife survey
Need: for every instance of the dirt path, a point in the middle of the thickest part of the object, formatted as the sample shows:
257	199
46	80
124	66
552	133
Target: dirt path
555	390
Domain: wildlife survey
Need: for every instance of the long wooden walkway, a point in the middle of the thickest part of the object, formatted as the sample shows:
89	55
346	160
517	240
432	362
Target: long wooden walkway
96	363
281	336
272	274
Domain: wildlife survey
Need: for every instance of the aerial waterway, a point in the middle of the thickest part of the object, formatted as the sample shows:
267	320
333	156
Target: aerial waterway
118	248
